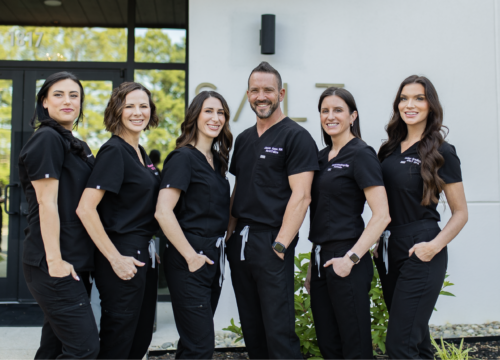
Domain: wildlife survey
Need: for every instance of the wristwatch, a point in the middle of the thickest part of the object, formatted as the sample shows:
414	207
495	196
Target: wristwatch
279	247
354	258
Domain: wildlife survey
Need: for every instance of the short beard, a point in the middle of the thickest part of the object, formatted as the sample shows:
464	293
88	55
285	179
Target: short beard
273	108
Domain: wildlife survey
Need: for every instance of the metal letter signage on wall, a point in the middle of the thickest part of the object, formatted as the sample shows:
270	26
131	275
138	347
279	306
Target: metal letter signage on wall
285	100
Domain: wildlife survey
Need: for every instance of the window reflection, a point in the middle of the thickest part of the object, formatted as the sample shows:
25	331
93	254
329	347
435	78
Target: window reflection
160	45
63	43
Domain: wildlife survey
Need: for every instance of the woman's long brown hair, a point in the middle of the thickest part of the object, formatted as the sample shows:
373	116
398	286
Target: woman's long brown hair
431	140
222	144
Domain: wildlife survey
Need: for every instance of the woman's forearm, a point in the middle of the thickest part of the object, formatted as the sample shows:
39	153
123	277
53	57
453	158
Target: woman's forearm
92	223
451	230
50	228
172	230
371	234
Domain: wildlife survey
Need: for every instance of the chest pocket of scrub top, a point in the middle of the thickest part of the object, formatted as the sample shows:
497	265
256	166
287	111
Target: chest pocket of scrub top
413	179
332	180
269	169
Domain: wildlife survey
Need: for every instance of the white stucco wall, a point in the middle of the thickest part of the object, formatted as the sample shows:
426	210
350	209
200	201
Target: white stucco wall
371	46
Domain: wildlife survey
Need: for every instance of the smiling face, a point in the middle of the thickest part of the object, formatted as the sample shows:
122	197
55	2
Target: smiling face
63	102
137	112
413	105
335	116
263	94
211	119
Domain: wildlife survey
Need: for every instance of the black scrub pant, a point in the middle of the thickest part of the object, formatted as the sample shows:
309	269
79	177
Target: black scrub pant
411	289
341	305
195	296
69	329
127	306
263	285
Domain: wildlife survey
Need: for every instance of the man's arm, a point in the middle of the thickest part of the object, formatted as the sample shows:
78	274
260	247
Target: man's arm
296	208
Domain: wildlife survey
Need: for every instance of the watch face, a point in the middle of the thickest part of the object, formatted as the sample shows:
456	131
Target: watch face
279	247
354	258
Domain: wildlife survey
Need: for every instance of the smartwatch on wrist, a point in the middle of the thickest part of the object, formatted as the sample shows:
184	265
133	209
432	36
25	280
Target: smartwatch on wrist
354	258
279	247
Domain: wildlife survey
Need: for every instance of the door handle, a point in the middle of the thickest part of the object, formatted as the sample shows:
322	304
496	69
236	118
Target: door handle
7	197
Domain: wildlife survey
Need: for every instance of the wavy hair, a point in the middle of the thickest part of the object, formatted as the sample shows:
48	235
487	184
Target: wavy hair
431	140
116	104
351	104
42	118
222	144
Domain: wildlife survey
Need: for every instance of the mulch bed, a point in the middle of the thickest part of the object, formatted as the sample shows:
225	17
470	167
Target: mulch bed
479	350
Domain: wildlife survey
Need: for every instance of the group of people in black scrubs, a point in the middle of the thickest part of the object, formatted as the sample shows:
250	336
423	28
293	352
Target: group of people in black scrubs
94	219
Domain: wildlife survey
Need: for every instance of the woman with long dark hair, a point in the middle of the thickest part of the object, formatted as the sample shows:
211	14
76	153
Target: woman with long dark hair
117	209
340	271
58	254
418	165
193	212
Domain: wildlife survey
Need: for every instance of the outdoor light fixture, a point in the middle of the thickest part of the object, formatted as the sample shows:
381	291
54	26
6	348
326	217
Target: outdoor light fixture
267	34
53	2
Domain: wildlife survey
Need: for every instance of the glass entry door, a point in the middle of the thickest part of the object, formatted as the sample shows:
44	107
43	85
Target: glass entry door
18	91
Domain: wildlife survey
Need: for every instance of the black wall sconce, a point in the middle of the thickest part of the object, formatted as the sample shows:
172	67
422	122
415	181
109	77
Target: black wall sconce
267	34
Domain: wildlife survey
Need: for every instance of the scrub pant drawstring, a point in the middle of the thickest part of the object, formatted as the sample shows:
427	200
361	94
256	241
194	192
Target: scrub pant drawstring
221	243
244	239
152	252
316	256
385	246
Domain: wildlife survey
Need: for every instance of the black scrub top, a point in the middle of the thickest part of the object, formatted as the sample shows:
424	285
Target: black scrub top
338	199
405	186
203	207
129	204
46	155
262	166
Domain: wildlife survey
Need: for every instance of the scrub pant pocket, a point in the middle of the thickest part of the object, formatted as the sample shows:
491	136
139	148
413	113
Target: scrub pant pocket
69	330
127	306
195	296
264	289
411	289
341	307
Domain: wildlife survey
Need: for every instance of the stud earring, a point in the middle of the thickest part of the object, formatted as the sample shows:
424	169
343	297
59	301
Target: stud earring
351	124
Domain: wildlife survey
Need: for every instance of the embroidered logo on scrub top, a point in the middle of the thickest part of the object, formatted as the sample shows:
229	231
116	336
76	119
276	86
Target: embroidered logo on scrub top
272	150
411	161
90	155
338	166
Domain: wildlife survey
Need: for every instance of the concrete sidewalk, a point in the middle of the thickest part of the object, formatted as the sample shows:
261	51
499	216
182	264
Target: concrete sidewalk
22	342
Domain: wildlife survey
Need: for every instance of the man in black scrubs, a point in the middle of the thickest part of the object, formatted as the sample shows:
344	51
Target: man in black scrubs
274	163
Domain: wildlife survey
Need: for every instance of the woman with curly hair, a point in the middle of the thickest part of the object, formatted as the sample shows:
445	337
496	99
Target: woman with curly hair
193	212
117	209
418	165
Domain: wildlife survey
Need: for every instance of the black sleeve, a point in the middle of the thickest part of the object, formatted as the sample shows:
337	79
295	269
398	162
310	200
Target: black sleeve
176	171
367	168
232	167
43	155
109	170
301	154
450	172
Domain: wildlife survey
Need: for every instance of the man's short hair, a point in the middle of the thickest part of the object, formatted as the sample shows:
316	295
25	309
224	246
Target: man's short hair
265	67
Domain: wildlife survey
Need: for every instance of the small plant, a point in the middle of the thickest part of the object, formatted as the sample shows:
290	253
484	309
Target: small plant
449	351
235	329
